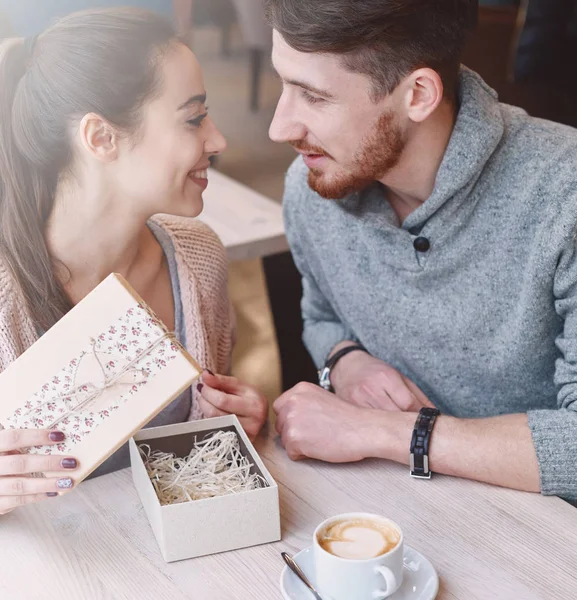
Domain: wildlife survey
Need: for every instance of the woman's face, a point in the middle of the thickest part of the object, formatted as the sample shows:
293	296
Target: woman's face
163	170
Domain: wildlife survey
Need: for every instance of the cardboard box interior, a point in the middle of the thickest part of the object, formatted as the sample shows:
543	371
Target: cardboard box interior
181	445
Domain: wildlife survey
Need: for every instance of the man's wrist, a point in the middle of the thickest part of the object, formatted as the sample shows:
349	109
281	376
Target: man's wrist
387	435
338	368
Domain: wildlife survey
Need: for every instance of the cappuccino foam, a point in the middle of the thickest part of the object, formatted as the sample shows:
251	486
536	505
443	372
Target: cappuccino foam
359	539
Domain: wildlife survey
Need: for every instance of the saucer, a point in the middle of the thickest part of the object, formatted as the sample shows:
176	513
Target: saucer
420	580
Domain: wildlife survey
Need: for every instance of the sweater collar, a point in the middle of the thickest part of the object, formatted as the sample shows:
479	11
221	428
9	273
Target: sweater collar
478	130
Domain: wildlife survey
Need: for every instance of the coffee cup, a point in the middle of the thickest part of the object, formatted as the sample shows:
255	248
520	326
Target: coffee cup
358	556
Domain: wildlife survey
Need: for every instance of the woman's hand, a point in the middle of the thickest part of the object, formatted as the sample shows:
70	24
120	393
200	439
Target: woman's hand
17	487
219	396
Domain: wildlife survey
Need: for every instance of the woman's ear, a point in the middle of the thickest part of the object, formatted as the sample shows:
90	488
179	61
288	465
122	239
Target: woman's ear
99	138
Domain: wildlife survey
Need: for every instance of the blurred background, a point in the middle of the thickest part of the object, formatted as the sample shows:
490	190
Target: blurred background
524	49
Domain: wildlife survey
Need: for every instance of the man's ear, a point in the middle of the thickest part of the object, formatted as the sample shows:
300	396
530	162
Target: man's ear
99	138
424	92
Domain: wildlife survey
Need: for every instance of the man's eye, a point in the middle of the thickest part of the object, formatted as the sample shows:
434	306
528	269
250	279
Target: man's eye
310	98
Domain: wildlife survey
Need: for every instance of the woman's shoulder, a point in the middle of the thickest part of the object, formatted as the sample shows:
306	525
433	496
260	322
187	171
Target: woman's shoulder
16	329
194	241
8	291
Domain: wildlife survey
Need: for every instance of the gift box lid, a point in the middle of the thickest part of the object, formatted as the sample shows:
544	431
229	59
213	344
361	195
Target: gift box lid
100	374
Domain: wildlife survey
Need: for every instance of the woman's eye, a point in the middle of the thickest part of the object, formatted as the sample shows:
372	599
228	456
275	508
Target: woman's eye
198	121
310	98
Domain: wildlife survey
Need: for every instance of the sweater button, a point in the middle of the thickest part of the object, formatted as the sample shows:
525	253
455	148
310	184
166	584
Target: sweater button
422	244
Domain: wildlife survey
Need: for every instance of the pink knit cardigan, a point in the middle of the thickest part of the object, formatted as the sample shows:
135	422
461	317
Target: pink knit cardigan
203	273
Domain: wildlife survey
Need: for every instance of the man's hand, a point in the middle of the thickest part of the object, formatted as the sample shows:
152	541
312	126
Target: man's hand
314	423
367	382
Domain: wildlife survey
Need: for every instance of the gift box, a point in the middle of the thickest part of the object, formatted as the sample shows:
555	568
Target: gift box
211	525
99	375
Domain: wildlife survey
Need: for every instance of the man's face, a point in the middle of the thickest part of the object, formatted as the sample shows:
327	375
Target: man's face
329	116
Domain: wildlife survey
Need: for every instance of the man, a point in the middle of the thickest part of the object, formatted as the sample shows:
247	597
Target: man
436	227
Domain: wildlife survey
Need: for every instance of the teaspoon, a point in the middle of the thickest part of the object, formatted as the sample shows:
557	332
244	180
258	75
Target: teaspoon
298	572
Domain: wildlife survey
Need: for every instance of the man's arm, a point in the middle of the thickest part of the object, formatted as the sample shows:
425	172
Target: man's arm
469	448
497	450
322	327
369	382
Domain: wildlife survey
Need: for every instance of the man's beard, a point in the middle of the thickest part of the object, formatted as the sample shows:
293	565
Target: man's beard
379	152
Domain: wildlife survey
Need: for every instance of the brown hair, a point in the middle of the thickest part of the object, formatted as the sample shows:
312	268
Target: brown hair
101	61
384	39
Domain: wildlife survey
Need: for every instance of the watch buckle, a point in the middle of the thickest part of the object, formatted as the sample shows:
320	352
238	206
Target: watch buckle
426	474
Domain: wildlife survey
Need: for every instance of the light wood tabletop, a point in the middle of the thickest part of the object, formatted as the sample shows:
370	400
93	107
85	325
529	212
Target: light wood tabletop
249	224
485	542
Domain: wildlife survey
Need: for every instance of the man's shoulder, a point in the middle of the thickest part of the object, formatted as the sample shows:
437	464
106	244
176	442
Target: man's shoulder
543	155
536	136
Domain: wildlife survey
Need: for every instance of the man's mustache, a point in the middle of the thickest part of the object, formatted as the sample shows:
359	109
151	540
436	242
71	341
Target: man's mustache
308	148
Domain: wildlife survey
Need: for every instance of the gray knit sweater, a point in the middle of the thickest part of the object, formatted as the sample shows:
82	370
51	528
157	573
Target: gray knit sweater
485	322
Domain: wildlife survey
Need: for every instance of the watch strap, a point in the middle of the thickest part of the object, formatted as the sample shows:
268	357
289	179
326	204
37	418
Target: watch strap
325	372
420	442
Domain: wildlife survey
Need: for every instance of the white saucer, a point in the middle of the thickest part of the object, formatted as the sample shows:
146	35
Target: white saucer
420	580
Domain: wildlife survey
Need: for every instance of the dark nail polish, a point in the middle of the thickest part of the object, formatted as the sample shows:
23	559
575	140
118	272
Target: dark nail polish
51	494
69	463
64	484
199	387
56	436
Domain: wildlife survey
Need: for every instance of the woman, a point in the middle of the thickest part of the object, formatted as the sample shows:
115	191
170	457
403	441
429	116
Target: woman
103	124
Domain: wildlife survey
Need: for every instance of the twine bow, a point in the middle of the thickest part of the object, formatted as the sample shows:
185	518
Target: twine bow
89	391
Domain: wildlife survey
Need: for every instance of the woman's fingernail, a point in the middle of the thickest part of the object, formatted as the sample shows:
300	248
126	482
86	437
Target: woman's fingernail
69	463
51	494
56	436
199	387
64	484
209	371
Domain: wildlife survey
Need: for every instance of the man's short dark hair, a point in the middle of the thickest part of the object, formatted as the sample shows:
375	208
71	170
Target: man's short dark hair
384	39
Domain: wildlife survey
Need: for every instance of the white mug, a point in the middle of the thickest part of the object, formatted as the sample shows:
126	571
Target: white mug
367	579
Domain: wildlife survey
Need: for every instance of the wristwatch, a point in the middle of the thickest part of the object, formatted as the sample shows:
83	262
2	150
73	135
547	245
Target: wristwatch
325	372
420	442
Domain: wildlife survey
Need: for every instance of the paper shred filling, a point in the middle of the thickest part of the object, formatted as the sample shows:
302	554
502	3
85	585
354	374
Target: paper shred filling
214	467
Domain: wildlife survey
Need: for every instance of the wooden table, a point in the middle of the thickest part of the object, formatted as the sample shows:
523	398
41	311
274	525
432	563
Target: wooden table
486	543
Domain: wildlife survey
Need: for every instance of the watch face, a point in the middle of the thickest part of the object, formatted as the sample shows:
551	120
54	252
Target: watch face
325	378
